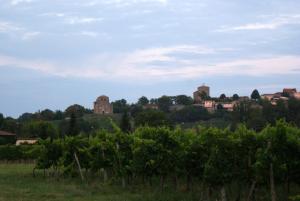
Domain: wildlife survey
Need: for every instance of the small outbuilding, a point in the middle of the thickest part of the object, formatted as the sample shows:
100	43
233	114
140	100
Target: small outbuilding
7	138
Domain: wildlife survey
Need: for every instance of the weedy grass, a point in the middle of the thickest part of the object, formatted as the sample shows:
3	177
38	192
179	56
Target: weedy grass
18	184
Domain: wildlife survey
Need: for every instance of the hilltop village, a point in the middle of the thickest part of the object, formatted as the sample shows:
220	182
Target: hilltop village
200	109
202	98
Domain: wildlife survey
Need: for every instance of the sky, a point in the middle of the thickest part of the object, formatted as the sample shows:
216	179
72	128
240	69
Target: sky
55	53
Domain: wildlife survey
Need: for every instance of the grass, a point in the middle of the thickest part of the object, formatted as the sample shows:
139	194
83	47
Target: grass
18	184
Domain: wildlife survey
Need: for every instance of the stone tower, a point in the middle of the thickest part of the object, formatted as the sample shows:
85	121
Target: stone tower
102	105
202	90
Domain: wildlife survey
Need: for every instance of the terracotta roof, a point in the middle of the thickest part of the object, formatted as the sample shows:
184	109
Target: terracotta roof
290	90
5	133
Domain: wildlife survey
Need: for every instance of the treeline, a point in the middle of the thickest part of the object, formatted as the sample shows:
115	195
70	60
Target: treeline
209	159
171	111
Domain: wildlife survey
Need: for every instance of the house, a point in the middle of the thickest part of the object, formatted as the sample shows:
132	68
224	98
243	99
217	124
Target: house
7	138
297	95
26	141
228	106
210	105
289	91
268	97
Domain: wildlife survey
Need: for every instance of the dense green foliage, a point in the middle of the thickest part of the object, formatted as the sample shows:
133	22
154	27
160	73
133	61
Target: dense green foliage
209	156
172	111
6	140
17	153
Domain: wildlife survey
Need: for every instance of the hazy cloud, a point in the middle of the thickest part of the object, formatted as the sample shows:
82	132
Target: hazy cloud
30	35
16	2
8	27
82	20
139	65
272	24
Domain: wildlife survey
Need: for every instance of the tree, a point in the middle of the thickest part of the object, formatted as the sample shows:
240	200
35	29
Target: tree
190	114
153	101
73	126
255	95
47	115
26	117
135	109
58	115
77	110
143	101
9	124
120	106
1	120
125	123
222	96
38	129
220	107
235	97
294	111
256	119
151	118
183	100
164	103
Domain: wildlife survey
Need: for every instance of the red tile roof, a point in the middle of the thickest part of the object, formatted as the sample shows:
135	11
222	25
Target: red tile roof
5	133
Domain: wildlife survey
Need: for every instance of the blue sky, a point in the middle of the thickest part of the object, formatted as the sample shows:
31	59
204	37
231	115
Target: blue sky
54	53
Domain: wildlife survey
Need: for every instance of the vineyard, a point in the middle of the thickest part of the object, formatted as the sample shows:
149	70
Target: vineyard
215	163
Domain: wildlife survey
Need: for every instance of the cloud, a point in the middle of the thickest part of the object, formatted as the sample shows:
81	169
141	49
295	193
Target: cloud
30	35
122	3
82	20
53	14
15	30
274	23
89	33
6	27
145	64
17	2
71	19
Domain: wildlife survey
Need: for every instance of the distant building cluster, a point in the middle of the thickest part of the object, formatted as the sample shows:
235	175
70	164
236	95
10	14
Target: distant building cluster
202	98
284	95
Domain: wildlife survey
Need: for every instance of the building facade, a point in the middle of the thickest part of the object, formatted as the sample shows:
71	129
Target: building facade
200	93
103	106
289	91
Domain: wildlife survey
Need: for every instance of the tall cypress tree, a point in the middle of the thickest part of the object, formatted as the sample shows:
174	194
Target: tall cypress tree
125	123
73	127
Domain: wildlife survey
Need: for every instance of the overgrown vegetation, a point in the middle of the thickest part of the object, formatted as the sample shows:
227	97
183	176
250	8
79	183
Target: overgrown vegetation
211	160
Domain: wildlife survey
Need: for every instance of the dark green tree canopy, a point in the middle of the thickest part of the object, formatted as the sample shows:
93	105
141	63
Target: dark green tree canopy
235	97
151	118
125	123
164	103
183	100
255	95
120	106
76	109
222	96
143	101
190	114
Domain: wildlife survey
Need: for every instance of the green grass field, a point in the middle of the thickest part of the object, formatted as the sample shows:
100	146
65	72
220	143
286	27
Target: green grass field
18	184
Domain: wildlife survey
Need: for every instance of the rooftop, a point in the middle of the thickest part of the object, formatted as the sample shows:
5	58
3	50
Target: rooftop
5	133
